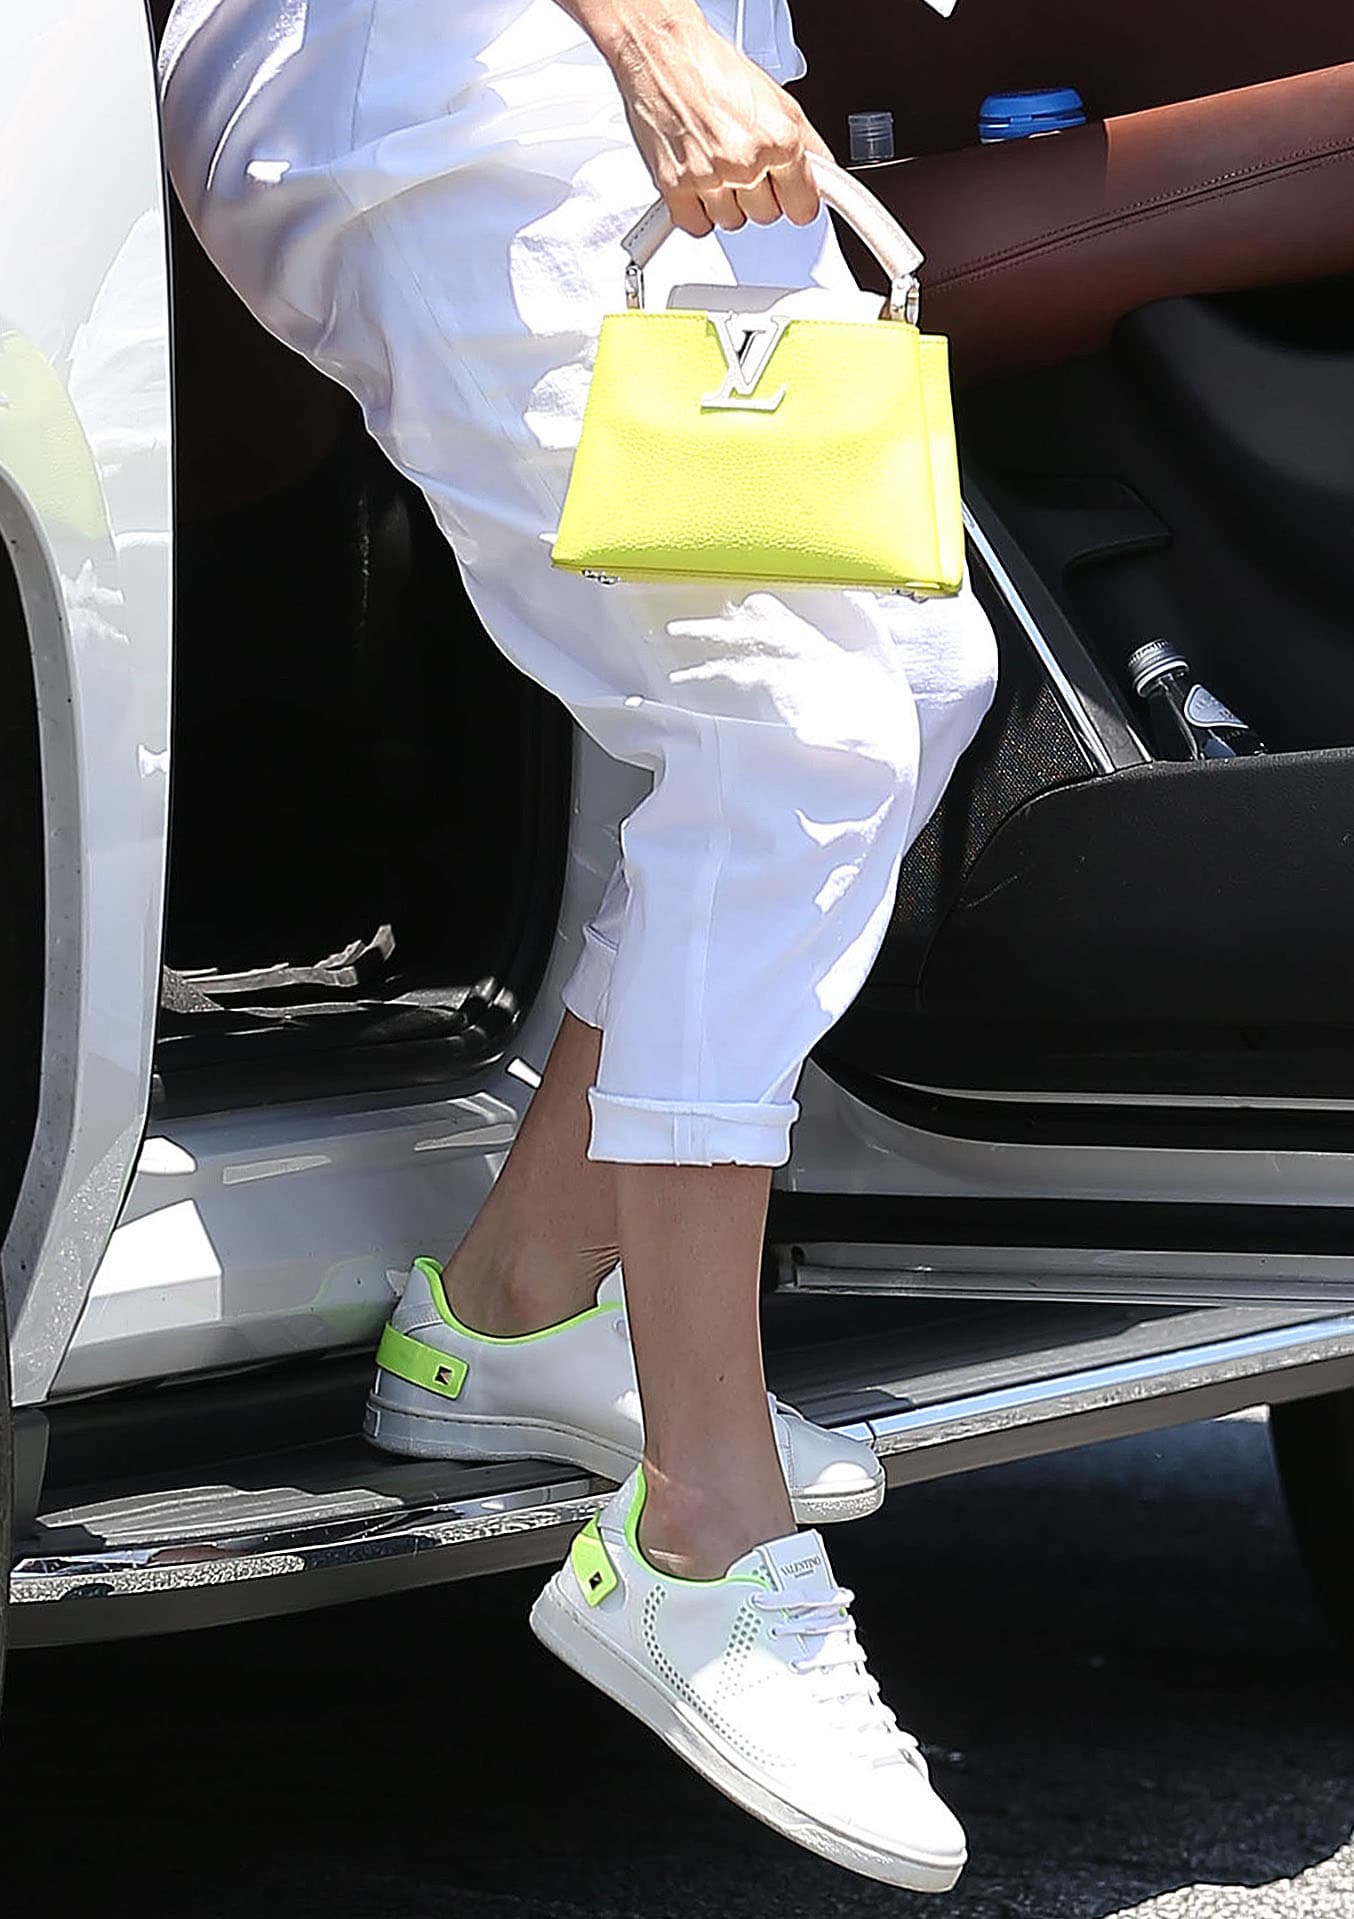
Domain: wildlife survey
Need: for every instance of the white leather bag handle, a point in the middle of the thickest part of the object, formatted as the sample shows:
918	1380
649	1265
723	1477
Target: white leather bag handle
896	251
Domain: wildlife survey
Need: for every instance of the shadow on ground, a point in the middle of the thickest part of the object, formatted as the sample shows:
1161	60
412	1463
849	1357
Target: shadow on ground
1111	1655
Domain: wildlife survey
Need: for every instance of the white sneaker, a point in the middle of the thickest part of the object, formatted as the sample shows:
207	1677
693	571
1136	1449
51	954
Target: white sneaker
759	1682
569	1394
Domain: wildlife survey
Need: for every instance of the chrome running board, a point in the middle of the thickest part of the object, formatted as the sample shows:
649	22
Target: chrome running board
332	1522
1119	1276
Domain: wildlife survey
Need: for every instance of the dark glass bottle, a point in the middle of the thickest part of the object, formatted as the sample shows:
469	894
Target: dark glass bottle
1187	721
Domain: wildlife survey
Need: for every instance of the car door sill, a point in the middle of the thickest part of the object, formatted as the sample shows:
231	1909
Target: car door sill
1249	1121
317	1524
1134	1276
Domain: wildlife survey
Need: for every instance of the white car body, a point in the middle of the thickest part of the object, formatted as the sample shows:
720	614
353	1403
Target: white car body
147	1243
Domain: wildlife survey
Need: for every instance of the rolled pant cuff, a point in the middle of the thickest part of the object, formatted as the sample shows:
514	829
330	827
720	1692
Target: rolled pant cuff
585	990
652	1132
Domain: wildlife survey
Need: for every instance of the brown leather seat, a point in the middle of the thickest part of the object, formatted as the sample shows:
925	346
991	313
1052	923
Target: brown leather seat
1035	249
1123	55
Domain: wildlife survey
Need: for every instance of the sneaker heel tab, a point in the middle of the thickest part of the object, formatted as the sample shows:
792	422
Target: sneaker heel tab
592	1566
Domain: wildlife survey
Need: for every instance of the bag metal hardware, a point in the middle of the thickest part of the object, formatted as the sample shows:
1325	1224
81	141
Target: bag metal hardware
747	360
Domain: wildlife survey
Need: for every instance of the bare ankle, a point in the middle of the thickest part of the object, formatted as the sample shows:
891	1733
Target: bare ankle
693	1530
503	1293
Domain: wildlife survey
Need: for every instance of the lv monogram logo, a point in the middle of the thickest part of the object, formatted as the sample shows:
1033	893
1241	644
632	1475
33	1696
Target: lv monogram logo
748	341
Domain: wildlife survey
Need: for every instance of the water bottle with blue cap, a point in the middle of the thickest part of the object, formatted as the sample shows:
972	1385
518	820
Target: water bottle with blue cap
1025	115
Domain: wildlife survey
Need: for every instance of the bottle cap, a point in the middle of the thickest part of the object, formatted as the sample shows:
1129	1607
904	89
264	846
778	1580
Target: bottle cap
1018	116
1147	664
871	137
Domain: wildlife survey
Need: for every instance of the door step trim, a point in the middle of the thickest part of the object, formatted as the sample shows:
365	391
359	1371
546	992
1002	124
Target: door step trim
166	1559
1093	1097
1115	1400
156	1586
1101	1276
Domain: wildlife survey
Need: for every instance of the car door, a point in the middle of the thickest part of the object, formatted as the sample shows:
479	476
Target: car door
1112	1014
85	603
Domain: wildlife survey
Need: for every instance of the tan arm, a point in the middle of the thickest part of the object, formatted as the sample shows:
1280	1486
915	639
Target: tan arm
723	142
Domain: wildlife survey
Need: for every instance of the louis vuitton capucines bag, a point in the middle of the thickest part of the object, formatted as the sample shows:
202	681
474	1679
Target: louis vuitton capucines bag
747	446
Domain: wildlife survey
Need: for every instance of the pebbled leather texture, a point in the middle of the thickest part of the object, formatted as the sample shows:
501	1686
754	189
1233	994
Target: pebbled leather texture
851	481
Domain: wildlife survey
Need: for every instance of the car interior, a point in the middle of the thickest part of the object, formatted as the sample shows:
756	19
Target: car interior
370	807
1152	327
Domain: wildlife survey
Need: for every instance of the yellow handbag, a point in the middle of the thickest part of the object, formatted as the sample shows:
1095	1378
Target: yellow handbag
754	447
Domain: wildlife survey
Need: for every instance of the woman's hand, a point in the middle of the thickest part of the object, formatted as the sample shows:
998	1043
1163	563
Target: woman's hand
723	142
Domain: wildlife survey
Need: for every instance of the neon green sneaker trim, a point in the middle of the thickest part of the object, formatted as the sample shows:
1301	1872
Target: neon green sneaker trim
432	1272
592	1564
421	1365
640	1494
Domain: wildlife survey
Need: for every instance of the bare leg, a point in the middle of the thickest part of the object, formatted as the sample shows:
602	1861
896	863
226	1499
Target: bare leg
546	1234
692	1242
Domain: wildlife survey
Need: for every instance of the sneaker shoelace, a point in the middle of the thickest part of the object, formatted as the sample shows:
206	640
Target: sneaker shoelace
843	1681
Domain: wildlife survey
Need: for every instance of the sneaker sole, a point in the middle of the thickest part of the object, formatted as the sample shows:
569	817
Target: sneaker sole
832	1509
556	1623
453	1436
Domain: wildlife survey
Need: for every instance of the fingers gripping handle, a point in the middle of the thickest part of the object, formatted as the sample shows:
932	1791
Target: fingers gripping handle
896	251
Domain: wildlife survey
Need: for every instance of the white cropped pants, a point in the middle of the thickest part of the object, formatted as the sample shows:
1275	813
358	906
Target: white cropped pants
425	198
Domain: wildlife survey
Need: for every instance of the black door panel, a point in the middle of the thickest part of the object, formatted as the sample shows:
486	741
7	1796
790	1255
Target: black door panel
1232	422
1176	930
1209	894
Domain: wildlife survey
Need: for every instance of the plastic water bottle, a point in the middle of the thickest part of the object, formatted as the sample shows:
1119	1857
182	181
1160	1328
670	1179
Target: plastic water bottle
1188	722
871	138
1026	115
